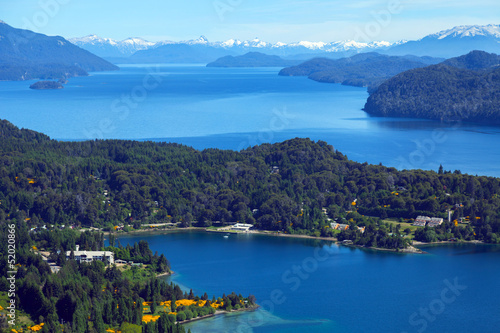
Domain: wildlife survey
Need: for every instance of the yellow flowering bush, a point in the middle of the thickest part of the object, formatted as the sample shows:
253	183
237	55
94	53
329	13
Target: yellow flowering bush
184	302
36	328
149	318
217	305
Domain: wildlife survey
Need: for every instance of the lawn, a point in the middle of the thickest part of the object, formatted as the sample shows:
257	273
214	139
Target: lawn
403	225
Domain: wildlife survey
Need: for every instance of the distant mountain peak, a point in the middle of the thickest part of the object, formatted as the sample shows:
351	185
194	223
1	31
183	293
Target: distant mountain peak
137	41
462	31
202	40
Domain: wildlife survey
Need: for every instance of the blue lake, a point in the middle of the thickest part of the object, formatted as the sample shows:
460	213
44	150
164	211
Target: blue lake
236	108
308	285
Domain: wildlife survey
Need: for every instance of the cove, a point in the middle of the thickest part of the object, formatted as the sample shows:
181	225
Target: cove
341	290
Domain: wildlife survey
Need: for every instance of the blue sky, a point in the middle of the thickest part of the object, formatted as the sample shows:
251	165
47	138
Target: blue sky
271	20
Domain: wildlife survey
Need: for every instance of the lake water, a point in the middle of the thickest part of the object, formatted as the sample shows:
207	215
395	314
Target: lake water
317	286
236	108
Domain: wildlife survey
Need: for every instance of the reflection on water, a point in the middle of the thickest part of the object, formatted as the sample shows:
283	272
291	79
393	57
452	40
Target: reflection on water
405	124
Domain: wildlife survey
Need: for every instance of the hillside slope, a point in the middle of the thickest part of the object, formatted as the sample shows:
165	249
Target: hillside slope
465	88
26	55
366	69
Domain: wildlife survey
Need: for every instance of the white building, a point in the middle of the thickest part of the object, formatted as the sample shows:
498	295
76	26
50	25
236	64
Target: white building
422	221
89	256
241	227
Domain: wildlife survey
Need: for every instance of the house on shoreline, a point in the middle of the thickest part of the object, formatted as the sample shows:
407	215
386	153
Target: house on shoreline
89	256
241	227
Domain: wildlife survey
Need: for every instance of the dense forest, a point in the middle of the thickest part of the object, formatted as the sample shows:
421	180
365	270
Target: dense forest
298	186
361	70
465	88
93	297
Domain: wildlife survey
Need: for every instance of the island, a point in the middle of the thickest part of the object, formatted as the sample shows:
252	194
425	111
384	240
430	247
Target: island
253	59
465	88
46	85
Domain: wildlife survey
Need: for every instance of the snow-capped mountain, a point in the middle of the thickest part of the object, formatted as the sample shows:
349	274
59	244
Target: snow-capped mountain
110	48
469	31
107	47
446	44
454	42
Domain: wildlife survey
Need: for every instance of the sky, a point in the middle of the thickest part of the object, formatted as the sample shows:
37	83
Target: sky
268	20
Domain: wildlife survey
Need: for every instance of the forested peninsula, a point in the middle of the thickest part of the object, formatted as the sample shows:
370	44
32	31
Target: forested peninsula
361	70
465	88
56	293
297	186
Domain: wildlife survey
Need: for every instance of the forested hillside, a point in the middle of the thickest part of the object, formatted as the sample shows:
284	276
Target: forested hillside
283	186
26	55
362	70
465	88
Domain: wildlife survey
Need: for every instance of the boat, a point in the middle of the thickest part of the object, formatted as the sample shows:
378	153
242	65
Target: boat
226	236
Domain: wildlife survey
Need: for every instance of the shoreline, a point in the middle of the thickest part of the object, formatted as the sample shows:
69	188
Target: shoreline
218	313
409	250
412	249
165	274
451	242
271	233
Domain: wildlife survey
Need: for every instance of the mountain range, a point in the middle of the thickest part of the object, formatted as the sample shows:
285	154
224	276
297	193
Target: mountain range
446	44
106	47
121	50
453	42
26	55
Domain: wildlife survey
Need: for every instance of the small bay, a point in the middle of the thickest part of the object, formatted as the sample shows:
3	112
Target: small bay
309	285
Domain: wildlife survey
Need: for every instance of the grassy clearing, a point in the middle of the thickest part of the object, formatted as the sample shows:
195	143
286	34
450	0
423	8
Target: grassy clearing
403	226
